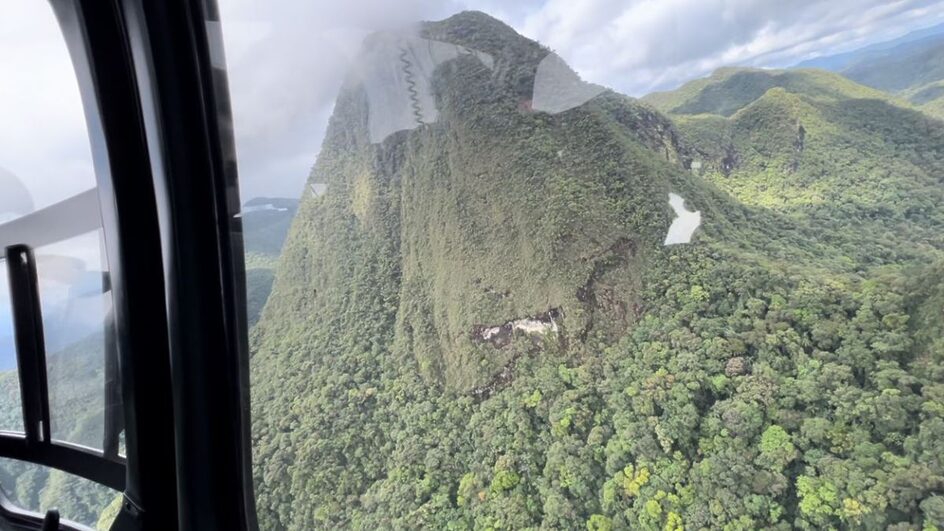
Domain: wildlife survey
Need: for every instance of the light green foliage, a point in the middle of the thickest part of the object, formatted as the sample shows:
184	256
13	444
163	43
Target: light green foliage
109	513
466	491
633	480
533	399
653	509
819	498
776	447
504	480
598	522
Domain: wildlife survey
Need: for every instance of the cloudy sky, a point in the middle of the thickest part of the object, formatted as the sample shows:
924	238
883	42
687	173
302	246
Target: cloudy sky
287	58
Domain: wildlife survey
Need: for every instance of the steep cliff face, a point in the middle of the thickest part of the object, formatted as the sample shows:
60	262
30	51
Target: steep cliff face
481	210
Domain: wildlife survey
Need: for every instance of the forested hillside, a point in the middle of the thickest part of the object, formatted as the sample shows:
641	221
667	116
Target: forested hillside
820	148
477	325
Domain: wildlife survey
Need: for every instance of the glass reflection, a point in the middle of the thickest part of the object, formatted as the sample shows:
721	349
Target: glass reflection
76	309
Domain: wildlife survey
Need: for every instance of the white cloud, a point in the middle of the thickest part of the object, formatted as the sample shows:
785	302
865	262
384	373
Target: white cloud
642	45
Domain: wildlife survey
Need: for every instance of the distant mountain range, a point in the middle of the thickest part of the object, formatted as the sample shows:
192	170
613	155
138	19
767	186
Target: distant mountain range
911	40
911	67
266	221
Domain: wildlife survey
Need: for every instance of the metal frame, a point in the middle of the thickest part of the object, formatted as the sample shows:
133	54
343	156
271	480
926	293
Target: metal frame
30	343
95	34
158	118
36	444
187	119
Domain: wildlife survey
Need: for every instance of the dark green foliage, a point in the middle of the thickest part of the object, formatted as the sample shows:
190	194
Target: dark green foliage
264	233
258	286
783	370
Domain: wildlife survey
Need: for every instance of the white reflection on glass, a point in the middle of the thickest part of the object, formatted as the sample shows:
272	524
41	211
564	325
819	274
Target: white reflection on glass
11	418
75	308
396	72
558	88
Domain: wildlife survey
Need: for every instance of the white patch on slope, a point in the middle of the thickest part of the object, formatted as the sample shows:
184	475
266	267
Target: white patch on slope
527	325
489	333
684	224
534	326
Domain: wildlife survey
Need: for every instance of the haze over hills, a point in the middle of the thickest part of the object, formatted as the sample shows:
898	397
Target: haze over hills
478	324
265	223
912	40
911	66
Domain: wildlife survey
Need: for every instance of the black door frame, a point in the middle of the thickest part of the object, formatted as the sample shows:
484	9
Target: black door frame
153	86
182	79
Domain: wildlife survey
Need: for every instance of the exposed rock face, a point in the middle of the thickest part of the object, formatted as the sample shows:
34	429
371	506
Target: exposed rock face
536	327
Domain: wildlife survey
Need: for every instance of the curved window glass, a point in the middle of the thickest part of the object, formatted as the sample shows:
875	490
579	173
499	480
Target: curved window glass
45	156
50	224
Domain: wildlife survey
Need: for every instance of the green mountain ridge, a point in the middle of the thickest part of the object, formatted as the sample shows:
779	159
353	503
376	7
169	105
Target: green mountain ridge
779	371
793	149
730	89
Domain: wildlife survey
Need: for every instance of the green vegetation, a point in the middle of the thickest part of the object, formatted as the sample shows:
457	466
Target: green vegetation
928	98
730	89
76	384
825	154
783	370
